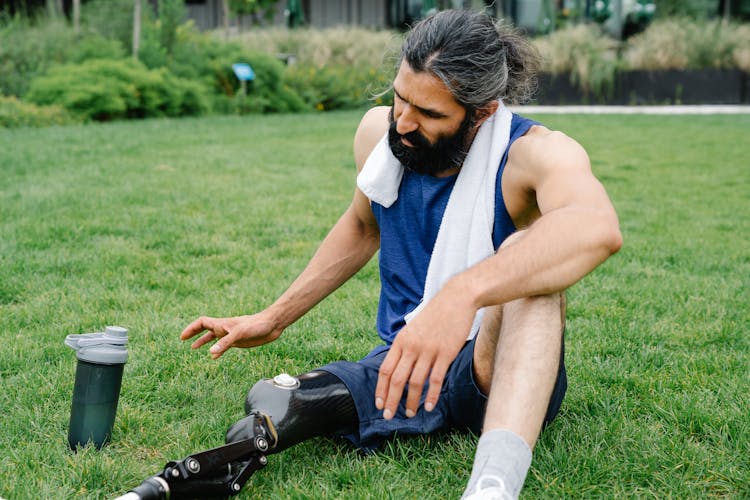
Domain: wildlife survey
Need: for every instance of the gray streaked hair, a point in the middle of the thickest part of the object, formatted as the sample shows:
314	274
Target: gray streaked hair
478	60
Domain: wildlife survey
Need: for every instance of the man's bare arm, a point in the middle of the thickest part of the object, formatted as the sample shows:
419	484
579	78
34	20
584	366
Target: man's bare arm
349	245
578	228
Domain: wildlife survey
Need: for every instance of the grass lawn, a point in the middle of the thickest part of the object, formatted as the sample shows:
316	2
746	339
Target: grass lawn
150	224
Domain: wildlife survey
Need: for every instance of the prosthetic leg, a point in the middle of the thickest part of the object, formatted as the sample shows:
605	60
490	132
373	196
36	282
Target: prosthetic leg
281	412
313	404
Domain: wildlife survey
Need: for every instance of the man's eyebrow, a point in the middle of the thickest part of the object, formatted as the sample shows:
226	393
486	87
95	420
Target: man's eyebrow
426	111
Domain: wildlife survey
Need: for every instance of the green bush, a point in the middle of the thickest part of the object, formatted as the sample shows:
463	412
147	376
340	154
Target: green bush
113	19
336	68
585	53
29	50
106	90
693	9
95	46
203	58
343	46
15	113
340	87
685	44
267	93
741	52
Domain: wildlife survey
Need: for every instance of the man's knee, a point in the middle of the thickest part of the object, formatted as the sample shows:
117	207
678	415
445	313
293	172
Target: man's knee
513	238
312	404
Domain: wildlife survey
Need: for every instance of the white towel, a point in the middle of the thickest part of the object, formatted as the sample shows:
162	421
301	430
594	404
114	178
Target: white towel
465	234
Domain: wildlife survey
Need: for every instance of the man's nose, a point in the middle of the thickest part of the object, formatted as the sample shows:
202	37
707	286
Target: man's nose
406	121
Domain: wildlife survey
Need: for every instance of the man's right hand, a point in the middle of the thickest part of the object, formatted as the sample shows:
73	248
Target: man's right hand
238	331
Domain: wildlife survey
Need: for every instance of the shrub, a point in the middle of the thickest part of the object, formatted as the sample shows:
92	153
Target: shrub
343	46
741	51
113	19
693	9
203	58
106	90
95	46
269	91
337	68
15	113
685	44
585	53
340	87
27	51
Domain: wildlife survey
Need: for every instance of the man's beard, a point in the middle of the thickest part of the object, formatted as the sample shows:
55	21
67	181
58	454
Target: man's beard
448	152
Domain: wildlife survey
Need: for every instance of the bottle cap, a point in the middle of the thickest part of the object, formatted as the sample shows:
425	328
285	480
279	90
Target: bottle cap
108	347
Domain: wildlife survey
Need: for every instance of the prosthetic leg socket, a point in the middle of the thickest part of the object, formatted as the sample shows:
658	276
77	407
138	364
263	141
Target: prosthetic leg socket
309	405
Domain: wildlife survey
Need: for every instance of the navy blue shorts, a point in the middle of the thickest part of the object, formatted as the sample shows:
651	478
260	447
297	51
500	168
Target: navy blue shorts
461	404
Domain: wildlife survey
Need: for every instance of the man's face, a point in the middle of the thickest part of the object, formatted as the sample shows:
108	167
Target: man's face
446	154
430	132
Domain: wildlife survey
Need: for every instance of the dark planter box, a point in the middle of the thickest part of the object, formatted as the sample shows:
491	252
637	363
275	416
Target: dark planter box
701	86
698	86
558	90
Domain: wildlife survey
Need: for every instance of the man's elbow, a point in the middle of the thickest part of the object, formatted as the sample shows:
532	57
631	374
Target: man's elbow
611	237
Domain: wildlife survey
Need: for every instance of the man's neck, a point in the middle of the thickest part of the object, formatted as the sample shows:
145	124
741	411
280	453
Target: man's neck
448	173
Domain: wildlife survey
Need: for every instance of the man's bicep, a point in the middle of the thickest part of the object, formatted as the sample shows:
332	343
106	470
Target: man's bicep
565	179
363	211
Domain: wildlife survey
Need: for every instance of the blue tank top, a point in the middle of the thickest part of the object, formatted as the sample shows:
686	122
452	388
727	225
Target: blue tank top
408	230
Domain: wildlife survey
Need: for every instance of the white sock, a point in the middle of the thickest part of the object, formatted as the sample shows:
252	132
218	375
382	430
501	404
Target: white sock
504	454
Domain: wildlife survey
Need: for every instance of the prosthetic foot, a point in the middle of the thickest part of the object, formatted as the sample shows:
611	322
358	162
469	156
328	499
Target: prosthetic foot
217	473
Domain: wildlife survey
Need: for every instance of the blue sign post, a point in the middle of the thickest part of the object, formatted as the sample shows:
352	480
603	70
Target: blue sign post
244	73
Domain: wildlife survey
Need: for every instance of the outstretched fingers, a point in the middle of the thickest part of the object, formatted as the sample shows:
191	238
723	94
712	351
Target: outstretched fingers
215	330
223	344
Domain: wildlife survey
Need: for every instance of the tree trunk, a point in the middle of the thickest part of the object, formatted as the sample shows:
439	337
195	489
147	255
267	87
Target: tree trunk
77	16
136	27
51	9
225	5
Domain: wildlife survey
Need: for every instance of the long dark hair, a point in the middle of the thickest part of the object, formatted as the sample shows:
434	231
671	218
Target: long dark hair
478	60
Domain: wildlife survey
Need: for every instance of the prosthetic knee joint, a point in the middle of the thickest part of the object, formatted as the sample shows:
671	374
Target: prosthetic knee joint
295	409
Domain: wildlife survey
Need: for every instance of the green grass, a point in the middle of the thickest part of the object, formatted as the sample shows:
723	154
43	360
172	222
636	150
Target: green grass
149	224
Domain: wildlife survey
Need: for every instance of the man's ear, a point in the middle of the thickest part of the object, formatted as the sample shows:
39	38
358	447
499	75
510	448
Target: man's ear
481	114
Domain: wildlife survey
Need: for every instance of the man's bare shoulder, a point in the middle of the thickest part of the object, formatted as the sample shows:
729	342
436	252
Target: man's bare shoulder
542	149
537	158
372	127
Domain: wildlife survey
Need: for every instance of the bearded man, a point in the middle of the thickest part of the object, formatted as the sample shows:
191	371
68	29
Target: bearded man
482	218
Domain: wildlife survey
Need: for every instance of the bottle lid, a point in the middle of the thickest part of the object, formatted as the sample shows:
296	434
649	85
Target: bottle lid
108	347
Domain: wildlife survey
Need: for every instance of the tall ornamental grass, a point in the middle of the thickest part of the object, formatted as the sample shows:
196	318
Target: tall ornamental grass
342	46
685	44
584	52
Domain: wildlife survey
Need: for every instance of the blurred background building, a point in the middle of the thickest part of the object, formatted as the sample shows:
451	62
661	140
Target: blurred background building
620	18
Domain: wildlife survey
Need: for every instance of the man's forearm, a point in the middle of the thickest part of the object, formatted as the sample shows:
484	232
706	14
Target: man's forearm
554	253
346	249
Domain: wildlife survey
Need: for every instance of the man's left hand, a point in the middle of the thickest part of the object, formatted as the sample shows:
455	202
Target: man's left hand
424	348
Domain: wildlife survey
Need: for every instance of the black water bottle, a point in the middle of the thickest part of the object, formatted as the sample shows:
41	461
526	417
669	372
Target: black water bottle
101	359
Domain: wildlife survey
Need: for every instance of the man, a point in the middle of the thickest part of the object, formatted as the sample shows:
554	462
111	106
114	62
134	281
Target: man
445	365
